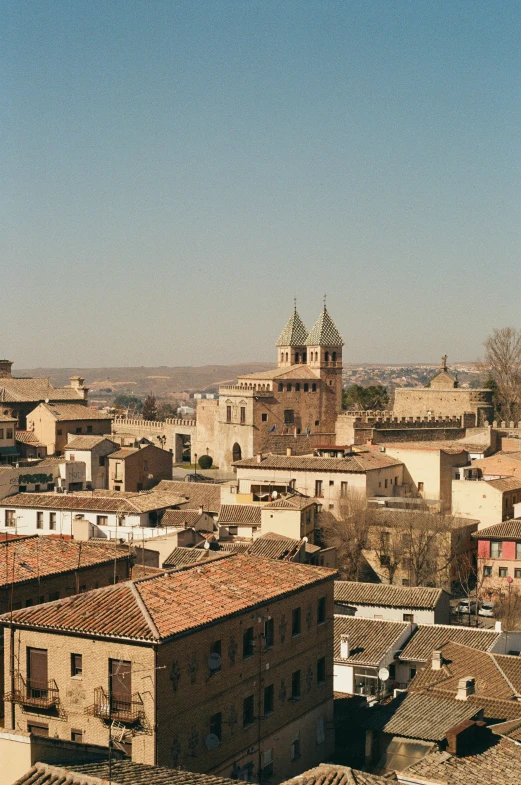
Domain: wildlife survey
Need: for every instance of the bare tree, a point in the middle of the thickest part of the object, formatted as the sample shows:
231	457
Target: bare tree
470	576
348	534
508	606
391	552
503	362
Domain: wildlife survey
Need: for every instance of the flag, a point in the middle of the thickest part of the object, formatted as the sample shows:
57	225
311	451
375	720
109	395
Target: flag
273	429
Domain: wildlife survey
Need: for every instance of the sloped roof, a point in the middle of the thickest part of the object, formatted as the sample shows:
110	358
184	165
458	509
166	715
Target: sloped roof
39	557
357	462
196	494
501	464
240	513
294	333
333	774
324	332
122	772
499	764
180	557
35	390
87	442
417	716
157	608
274	546
74	411
180	518
505	483
84	501
28	437
297	372
429	637
124	453
369	639
383	594
507	530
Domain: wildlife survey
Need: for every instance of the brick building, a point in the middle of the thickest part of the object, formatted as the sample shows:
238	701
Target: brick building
223	668
138	469
499	558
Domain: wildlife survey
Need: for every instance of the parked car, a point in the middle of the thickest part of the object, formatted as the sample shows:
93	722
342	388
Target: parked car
487	608
467	606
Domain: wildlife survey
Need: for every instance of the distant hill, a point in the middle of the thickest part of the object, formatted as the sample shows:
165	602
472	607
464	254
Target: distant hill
162	381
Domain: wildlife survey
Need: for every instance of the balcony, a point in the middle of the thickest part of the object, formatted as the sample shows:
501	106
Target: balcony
36	694
128	709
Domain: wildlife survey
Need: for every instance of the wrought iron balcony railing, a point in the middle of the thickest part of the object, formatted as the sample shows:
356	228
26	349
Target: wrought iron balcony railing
112	706
38	694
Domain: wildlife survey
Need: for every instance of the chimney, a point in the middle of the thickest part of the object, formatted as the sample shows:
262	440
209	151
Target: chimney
497	627
289	452
465	688
5	369
259	457
437	660
76	382
201	509
344	646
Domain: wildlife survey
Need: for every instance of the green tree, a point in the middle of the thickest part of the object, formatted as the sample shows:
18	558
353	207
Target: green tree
374	397
149	408
130	403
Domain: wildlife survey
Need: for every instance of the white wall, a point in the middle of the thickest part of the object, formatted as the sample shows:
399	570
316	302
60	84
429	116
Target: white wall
343	679
420	616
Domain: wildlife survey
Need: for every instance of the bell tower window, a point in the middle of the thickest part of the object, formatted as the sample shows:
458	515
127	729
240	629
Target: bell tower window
327	357
297	357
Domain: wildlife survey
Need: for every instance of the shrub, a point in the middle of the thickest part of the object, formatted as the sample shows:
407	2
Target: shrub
205	461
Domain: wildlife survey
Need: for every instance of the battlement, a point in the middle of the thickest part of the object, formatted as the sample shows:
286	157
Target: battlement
247	390
386	420
153	425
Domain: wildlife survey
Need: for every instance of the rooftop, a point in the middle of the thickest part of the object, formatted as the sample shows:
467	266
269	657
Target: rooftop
324	332
501	464
180	557
331	774
184	518
506	483
500	764
74	411
369	639
507	530
294	333
240	513
122	772
154	609
359	462
383	594
36	390
275	546
196	494
87	442
429	637
31	558
93	501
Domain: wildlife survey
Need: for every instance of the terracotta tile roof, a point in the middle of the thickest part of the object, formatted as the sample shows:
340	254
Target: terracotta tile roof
274	546
359	462
294	333
93	502
510	666
417	716
369	639
505	484
235	546
140	571
331	774
429	637
7	418
448	447
240	513
498	765
180	557
28	437
35	390
183	519
121	455
508	530
75	411
510	729
87	442
500	463
383	594
157	608
123	772
324	332
196	494
290	503
33	557
286	372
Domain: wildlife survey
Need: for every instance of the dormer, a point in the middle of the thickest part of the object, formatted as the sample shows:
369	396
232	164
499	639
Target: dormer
291	345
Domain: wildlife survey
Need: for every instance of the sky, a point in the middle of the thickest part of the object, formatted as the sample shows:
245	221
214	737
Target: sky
173	174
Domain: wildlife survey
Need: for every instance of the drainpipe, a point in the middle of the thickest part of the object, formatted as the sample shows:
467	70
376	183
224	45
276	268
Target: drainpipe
11	669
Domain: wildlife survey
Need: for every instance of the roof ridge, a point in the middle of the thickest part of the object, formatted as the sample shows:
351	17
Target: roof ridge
144	610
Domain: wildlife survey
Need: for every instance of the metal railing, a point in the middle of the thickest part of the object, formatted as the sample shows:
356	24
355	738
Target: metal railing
113	706
39	694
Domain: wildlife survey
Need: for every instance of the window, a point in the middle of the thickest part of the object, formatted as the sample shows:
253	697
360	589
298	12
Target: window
89	428
216	722
37	674
518	550
50	486
9	434
52	520
38	729
37	487
78	430
306	387
101	460
280	387
496	549
54	595
405	581
10	517
233	530
289	418
228	414
39	520
317	422
247	643
59	432
487	571
295	747
243	414
267	762
247	712
517	573
289	387
268	700
503	572
77	736
313	387
295	685
321	670
145	466
412	673
297	387
343	489
117	471
269	633
1	433
102	520
331	483
420	486
408	617
295	621
28	603
385	484
318	488
264	417
215	658
321	610
76	664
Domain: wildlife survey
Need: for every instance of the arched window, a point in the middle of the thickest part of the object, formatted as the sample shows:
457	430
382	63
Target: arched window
334	357
297	357
288	388
281	387
286	357
313	387
327	357
236	452
304	357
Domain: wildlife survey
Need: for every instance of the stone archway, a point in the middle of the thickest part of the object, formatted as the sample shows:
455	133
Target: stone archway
236	452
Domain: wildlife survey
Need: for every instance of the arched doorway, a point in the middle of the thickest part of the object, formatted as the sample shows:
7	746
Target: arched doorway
236	452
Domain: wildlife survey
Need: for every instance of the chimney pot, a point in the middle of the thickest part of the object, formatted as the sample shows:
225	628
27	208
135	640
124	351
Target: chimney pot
259	458
437	660
465	688
344	646
289	452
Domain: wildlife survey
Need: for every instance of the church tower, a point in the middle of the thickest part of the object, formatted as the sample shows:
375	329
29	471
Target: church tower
292	342
324	354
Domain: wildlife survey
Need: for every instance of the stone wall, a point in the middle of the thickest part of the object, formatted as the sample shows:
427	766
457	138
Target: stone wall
419	401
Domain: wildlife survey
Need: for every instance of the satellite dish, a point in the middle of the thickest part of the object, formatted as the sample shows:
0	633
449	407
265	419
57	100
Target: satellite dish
274	494
383	674
212	741
207	548
214	662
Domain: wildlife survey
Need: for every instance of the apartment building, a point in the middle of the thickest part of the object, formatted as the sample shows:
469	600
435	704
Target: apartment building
224	668
138	469
93	451
52	424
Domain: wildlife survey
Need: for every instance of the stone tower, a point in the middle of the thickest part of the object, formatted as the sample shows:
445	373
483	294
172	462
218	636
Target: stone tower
324	354
291	345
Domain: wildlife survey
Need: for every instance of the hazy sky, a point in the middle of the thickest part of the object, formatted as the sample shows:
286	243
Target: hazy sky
174	173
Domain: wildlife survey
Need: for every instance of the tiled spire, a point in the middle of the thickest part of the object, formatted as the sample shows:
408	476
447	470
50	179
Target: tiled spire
324	332
294	333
